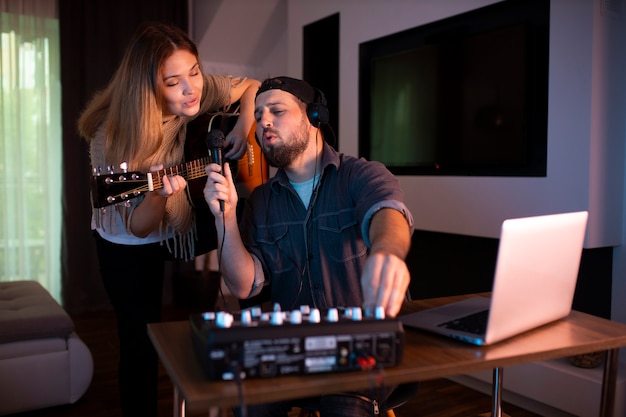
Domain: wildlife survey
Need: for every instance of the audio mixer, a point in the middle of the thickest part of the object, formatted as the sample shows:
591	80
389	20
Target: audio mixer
257	344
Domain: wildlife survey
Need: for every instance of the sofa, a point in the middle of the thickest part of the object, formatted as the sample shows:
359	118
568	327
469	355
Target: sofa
43	362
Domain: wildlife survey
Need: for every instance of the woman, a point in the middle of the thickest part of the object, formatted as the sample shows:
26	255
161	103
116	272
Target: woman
140	119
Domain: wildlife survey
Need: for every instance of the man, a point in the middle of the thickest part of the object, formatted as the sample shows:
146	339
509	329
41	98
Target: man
327	230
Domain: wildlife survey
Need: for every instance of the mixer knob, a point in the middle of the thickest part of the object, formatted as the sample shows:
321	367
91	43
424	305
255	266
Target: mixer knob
314	317
224	319
255	311
333	315
305	309
277	318
379	313
208	316
357	314
295	317
246	318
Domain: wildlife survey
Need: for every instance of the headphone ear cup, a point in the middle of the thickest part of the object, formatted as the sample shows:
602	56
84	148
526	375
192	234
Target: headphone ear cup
317	114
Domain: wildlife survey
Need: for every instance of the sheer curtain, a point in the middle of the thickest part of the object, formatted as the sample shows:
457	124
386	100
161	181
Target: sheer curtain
30	143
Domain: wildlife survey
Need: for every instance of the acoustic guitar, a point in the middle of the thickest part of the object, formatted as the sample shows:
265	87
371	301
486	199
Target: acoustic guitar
248	172
117	187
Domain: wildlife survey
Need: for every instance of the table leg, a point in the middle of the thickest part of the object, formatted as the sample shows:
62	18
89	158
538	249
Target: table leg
179	404
496	395
607	400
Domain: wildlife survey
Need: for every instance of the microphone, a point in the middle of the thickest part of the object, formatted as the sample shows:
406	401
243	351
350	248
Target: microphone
215	143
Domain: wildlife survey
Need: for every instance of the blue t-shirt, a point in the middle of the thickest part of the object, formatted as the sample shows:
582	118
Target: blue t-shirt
315	256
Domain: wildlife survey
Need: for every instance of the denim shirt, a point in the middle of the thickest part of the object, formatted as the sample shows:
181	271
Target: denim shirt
315	256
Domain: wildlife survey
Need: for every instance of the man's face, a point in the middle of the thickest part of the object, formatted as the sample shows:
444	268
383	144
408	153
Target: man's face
282	127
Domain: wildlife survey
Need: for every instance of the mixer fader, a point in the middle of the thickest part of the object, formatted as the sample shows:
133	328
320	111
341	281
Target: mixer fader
254	344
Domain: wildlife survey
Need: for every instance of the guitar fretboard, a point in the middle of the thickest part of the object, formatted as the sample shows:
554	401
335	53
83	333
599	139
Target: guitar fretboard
189	171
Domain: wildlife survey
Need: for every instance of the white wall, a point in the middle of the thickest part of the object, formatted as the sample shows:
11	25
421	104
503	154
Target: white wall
584	162
587	106
242	37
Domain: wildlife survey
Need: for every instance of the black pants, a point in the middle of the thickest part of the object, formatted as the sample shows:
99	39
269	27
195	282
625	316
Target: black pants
133	278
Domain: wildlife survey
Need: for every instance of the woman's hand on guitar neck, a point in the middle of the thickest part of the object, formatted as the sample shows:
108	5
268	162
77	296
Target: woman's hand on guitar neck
172	184
150	211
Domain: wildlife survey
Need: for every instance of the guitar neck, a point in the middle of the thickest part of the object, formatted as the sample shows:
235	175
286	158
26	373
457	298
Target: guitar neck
188	170
110	189
248	172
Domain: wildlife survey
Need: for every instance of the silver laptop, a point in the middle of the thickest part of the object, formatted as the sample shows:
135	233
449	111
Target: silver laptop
534	283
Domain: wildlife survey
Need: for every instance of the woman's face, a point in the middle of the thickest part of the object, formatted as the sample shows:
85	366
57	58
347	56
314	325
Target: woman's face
182	84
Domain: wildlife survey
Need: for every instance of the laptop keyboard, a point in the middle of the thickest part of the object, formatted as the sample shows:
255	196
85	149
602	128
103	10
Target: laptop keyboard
474	323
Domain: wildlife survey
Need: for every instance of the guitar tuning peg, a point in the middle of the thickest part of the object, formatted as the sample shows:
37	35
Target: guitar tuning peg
110	169
124	166
127	203
96	171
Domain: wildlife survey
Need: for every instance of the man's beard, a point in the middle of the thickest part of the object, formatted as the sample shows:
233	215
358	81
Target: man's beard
284	153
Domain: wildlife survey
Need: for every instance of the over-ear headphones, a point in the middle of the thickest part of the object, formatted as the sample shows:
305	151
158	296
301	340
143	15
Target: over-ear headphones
317	110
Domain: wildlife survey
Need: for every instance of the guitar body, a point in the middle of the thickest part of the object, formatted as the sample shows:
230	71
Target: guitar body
247	172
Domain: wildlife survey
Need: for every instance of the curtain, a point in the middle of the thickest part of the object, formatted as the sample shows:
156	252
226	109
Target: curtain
30	143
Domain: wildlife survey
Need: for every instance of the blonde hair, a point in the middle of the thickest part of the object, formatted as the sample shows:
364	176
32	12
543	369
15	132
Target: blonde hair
130	107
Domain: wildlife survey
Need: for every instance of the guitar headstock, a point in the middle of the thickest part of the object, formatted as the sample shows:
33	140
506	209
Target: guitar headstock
113	188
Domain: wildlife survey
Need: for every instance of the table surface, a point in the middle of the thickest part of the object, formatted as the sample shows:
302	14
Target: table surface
426	356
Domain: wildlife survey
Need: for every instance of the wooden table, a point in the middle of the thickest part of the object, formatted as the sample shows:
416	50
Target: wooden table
425	357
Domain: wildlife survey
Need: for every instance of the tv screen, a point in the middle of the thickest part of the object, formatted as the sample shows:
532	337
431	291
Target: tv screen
467	95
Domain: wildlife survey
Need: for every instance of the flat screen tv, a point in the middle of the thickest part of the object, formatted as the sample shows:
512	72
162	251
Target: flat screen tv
466	95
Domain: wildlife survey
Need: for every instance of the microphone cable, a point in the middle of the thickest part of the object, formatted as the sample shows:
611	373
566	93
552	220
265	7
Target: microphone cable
236	369
220	251
307	230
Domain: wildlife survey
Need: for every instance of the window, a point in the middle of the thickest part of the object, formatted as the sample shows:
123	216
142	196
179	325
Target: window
30	144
